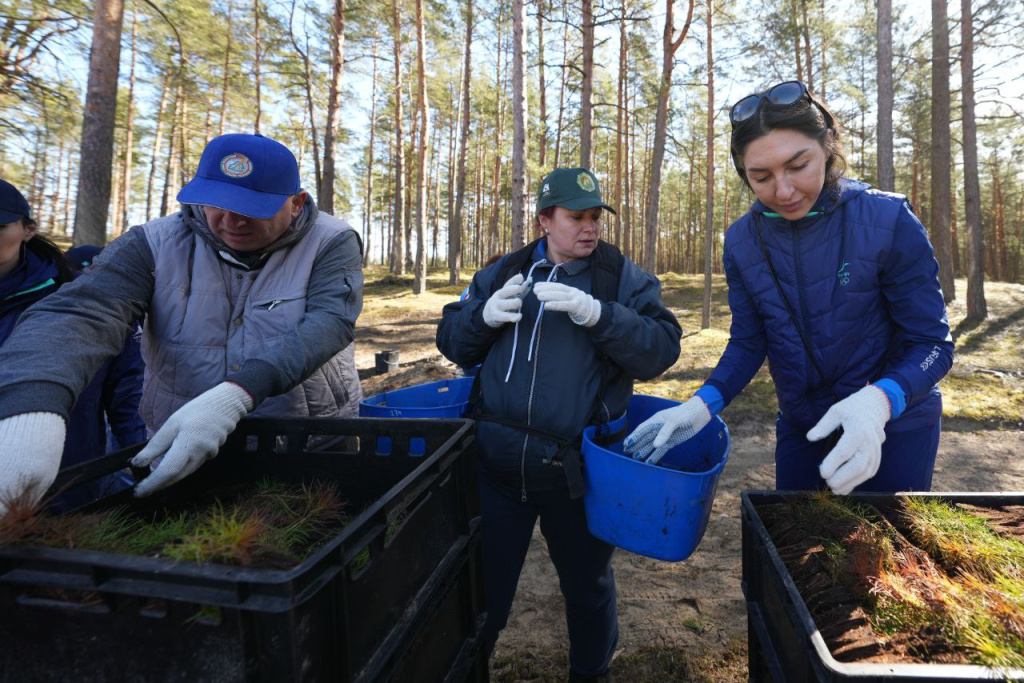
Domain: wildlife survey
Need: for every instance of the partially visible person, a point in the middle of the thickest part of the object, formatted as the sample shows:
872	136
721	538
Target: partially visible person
130	358
556	356
32	268
83	255
837	285
250	297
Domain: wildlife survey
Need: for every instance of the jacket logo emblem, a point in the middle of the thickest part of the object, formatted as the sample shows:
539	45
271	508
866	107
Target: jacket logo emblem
586	182
236	165
843	274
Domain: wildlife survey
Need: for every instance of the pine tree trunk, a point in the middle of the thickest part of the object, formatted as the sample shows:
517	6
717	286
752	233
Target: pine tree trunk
977	309
129	147
226	79
157	141
307	88
398	227
886	169
258	66
709	216
519	141
940	161
807	44
455	227
325	191
420	281
799	60
824	52
562	85
542	136
97	144
587	90
669	46
368	210
620	122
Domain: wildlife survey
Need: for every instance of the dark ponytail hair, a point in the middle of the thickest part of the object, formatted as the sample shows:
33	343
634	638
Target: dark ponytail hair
45	248
809	116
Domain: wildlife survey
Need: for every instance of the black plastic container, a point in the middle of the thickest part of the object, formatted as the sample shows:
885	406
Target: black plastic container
784	644
412	612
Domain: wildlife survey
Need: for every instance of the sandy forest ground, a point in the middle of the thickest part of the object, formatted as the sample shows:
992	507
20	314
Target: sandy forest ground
687	620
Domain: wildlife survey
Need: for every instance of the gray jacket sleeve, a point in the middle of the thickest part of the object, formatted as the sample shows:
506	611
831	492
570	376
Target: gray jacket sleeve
333	302
638	332
59	343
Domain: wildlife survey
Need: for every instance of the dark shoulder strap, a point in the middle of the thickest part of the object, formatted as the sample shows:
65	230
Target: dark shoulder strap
606	265
514	263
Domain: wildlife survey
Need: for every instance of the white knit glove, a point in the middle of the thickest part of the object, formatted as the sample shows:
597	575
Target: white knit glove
857	455
31	445
504	305
582	308
667	429
192	435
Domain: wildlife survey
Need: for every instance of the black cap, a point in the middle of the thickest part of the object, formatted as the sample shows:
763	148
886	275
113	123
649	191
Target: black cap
13	205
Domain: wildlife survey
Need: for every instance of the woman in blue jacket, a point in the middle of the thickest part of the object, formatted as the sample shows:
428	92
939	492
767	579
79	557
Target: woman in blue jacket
32	267
837	285
562	328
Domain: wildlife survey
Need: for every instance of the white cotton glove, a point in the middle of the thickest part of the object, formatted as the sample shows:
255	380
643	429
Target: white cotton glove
666	429
857	455
505	304
192	435
582	308
31	445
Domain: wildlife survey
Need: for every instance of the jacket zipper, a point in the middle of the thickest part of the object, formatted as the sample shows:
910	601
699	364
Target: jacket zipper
529	411
805	319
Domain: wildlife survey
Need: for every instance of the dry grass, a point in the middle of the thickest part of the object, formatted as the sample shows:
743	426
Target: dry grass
645	665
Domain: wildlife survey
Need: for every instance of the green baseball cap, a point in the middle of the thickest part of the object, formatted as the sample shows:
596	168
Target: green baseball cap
575	189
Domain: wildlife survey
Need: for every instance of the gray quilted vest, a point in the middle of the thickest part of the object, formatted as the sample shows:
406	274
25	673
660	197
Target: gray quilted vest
195	337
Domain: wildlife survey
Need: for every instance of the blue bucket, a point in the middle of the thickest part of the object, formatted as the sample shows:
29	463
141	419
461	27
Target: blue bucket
658	511
447	398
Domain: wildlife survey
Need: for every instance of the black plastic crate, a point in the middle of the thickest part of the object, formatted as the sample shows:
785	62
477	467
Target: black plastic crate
415	605
784	644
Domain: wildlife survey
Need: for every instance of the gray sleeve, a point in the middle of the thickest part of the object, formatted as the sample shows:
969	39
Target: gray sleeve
59	343
333	302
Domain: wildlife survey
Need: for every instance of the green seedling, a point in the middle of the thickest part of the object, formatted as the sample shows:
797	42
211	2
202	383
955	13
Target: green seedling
962	541
269	524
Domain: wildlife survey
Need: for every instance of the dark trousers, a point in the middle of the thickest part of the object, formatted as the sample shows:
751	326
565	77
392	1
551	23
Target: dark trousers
582	561
908	459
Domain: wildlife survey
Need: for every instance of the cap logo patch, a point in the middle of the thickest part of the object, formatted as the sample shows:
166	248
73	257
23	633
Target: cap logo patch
586	182
236	165
547	188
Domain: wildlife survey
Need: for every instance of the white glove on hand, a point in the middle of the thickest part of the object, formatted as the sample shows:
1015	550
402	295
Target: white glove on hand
582	308
857	455
192	435
504	305
31	445
666	429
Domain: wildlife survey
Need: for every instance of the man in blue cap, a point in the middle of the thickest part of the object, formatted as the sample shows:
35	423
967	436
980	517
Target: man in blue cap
250	297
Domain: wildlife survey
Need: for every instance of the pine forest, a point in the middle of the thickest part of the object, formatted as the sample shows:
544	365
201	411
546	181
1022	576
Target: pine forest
428	123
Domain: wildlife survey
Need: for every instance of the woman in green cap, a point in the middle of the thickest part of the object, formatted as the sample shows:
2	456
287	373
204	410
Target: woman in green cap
562	328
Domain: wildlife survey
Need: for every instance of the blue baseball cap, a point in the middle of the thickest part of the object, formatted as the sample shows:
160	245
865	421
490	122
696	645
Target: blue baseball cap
13	205
248	174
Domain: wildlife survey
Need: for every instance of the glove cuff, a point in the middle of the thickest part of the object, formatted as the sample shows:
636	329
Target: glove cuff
878	402
228	395
592	316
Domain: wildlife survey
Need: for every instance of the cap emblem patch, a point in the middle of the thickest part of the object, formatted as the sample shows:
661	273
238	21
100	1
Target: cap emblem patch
586	182
236	165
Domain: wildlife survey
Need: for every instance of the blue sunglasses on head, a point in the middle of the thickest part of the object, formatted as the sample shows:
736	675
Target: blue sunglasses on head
789	92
